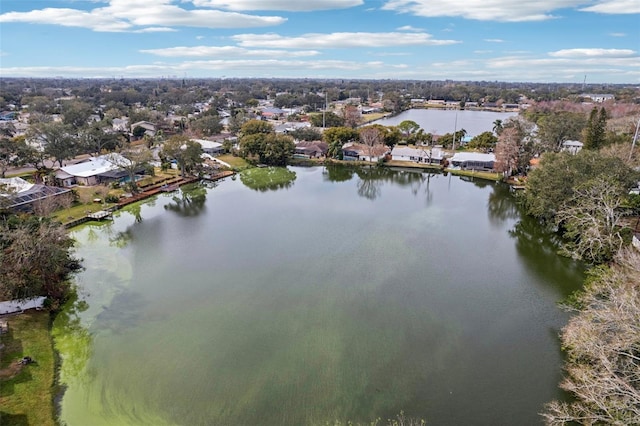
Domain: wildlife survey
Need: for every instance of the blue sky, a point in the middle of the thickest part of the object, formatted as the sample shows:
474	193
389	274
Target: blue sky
505	40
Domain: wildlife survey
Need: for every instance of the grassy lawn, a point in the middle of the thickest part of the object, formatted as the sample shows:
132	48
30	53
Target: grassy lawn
237	163
481	175
26	398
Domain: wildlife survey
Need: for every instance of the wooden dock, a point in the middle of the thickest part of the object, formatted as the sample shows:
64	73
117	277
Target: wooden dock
100	215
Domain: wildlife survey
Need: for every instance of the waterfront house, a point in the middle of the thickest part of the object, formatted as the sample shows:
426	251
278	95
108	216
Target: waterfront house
361	152
473	161
311	149
95	170
210	147
417	155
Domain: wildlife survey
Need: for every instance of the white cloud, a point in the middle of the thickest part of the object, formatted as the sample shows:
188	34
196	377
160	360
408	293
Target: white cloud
225	51
128	15
240	67
617	34
339	40
593	53
156	30
494	40
614	7
279	5
410	28
484	10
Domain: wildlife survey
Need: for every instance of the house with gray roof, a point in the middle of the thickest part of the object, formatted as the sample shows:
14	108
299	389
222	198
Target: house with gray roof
18	194
473	161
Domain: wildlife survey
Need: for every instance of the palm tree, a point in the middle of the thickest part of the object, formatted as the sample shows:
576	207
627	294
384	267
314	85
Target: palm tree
497	126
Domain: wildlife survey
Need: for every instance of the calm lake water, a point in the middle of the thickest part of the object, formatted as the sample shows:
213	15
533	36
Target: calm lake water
349	295
439	122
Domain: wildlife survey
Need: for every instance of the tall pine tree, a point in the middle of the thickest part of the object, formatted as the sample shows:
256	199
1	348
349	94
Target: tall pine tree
594	134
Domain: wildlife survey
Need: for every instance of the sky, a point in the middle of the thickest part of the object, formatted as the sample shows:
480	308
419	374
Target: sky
564	41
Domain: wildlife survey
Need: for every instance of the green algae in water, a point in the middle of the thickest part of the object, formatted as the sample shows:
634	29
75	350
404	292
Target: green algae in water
268	178
313	305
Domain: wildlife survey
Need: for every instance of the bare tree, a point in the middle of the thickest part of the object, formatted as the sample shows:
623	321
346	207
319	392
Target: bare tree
371	136
603	350
507	150
592	218
352	116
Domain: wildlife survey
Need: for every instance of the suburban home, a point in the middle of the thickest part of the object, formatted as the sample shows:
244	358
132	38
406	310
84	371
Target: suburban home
95	170
572	147
311	149
272	113
361	152
120	124
18	194
290	126
417	155
210	147
150	129
473	161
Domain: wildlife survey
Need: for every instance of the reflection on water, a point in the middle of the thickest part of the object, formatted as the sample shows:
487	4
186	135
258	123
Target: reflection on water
190	202
370	291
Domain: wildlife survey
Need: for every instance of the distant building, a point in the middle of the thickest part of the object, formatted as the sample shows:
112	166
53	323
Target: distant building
572	147
598	97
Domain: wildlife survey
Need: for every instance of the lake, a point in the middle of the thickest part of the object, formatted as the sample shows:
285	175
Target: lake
351	294
439	122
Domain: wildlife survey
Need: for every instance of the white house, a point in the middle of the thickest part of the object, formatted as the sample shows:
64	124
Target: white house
210	147
417	155
93	171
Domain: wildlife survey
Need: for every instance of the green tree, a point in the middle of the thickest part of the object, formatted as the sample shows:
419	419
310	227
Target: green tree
408	128
57	138
557	127
76	113
186	152
35	258
131	159
483	141
306	134
328	119
336	137
93	140
13	153
253	127
237	120
595	130
208	125
554	182
277	150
